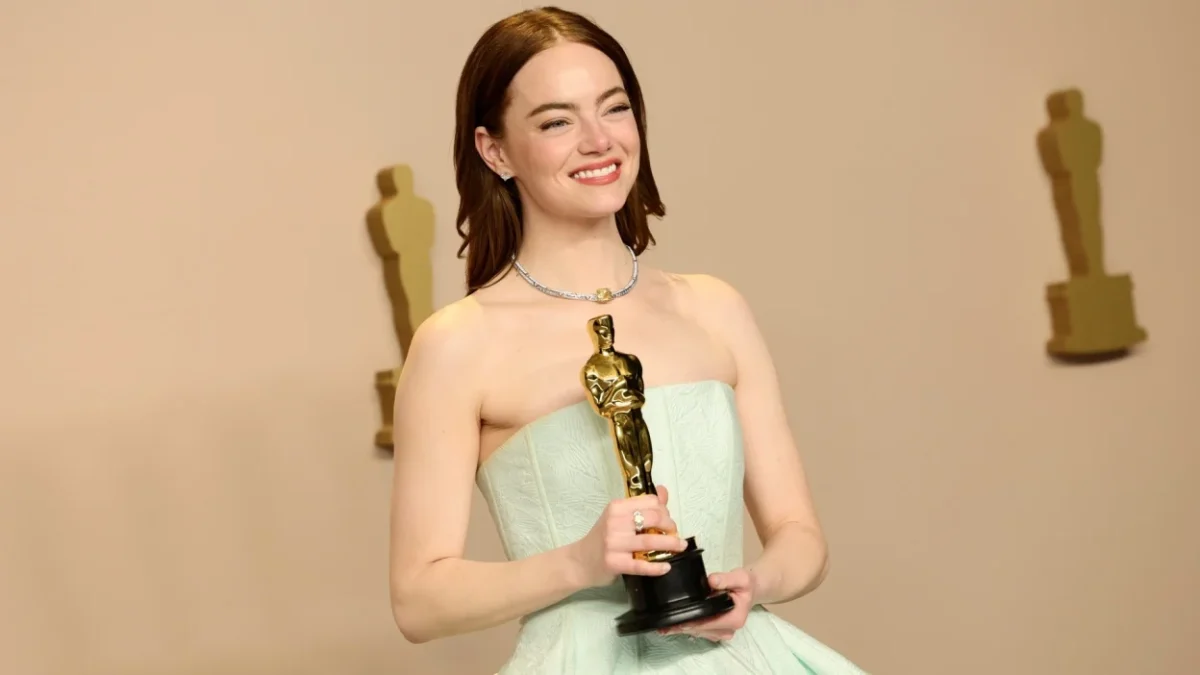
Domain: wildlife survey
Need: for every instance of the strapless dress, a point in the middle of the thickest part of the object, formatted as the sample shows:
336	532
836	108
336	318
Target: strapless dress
547	485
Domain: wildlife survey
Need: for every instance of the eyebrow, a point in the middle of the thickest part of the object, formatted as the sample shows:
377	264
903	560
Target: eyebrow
571	106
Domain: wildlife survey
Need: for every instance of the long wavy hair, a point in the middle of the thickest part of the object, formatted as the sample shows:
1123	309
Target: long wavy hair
489	209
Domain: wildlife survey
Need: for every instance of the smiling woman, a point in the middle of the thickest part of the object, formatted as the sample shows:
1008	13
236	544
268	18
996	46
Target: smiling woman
535	82
554	180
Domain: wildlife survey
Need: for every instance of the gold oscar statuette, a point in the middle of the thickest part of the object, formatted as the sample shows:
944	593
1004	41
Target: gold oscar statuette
1092	313
616	390
401	230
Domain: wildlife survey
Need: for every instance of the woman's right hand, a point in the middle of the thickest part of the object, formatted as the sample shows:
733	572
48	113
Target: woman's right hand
607	550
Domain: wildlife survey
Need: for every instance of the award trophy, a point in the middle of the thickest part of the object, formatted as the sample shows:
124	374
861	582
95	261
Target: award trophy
1092	313
401	229
614	383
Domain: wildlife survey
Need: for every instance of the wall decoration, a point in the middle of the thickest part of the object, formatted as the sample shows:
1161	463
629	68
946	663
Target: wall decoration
401	227
1092	313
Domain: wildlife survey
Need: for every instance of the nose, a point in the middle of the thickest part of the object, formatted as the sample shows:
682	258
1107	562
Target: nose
595	139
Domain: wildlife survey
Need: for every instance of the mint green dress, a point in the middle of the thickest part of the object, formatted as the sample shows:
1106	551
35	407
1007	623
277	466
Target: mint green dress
548	484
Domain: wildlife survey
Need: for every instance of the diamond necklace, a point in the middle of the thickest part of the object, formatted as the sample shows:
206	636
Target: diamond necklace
602	295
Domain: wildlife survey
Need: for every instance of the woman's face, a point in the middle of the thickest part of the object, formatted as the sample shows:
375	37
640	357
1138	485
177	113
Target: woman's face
570	138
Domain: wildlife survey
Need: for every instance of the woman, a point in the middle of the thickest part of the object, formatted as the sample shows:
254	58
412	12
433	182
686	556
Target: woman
555	183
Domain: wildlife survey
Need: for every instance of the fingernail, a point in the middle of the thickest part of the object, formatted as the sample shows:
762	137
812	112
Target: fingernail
716	581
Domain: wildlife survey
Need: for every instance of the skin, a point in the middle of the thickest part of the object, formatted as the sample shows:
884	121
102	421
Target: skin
494	361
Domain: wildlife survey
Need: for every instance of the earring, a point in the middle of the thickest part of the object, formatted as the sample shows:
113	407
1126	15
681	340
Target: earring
504	176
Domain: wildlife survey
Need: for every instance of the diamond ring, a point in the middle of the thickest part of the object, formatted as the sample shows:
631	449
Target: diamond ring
639	522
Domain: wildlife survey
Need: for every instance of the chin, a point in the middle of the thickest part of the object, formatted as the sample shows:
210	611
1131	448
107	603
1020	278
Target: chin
601	202
603	206
587	202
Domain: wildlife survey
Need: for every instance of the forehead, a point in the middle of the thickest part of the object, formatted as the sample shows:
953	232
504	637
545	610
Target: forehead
567	73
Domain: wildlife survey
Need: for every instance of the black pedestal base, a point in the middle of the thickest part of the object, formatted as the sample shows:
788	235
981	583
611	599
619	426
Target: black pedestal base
679	596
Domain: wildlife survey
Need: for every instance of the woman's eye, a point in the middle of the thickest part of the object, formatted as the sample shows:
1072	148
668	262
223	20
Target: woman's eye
554	124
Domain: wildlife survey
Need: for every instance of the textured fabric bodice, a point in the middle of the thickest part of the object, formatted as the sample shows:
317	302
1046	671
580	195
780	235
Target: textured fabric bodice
548	485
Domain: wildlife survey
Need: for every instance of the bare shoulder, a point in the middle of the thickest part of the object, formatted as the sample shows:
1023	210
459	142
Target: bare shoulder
724	311
712	299
448	331
436	408
446	345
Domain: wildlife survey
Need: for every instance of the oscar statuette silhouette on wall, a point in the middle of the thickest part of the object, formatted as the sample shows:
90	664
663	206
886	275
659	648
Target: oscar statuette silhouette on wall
1092	314
401	228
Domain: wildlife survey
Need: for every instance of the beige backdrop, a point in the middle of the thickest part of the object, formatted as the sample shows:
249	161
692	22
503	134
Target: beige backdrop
193	315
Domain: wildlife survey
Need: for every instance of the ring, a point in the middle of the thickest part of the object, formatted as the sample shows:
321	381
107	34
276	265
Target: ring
639	522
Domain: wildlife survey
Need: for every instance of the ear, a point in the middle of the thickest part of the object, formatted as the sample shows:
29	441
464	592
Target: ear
490	150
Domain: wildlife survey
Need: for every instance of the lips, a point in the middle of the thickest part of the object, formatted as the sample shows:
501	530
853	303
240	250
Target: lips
596	170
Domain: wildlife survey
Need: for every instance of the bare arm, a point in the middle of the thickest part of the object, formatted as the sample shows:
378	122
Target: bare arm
435	592
794	558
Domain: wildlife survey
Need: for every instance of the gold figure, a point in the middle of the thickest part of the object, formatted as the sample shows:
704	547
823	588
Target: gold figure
616	390
401	227
1092	313
1071	147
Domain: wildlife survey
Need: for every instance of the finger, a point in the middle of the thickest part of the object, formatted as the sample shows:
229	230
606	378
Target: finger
729	581
653	518
657	519
652	542
643	568
662	494
663	521
641	503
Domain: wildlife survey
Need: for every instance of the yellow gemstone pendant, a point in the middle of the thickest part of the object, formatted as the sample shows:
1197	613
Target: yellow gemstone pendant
603	295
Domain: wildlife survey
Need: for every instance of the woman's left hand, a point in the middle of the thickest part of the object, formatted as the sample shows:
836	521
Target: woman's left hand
739	583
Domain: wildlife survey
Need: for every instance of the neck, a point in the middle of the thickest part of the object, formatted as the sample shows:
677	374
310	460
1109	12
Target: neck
578	257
